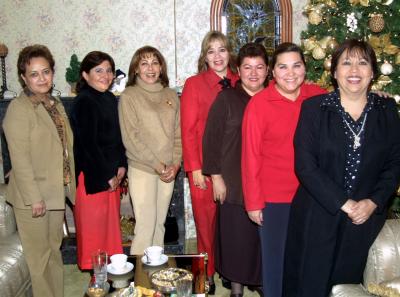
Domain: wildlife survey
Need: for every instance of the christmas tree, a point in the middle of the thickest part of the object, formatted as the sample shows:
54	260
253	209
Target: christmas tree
375	21
331	22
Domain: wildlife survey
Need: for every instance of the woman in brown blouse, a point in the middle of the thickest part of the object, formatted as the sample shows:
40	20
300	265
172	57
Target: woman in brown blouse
237	256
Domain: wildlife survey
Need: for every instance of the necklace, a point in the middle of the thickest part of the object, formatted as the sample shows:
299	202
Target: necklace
357	138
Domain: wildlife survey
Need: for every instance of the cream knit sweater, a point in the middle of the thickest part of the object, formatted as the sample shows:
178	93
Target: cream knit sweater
150	126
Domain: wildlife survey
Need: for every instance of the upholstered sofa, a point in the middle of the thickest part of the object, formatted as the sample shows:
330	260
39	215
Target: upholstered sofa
14	275
383	265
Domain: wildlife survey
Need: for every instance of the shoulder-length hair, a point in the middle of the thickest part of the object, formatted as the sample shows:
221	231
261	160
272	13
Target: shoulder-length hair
205	46
143	52
354	47
90	61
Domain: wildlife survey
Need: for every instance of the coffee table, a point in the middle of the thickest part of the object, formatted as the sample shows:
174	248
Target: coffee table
141	273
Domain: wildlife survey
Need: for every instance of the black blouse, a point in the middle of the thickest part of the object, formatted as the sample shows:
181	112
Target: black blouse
98	147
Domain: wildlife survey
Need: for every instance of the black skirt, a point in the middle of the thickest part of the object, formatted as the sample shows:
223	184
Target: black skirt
238	250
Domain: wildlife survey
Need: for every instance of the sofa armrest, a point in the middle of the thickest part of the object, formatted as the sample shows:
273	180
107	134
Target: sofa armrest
7	219
349	290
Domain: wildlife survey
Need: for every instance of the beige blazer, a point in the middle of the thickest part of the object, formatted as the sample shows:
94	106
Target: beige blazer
36	155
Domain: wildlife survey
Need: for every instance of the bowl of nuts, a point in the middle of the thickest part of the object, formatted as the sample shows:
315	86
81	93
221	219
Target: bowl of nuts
165	280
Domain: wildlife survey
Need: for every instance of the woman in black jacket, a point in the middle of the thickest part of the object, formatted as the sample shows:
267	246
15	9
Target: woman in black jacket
347	158
100	159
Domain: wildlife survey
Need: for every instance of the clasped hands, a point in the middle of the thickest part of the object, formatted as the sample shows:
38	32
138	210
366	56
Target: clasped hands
168	173
359	211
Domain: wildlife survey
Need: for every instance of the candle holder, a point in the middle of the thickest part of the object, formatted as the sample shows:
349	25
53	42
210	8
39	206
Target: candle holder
3	54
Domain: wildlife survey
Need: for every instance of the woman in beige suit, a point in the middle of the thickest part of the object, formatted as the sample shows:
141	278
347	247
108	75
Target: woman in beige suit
39	139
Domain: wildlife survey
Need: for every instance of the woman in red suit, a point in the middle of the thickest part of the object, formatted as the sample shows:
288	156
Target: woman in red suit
215	66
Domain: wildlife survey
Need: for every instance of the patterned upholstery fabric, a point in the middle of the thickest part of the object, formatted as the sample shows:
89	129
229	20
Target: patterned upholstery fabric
14	274
383	262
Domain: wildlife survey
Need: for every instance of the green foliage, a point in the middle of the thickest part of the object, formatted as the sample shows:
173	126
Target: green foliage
335	16
72	73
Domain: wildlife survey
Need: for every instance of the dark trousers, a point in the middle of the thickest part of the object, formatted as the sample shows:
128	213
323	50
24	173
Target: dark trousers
273	238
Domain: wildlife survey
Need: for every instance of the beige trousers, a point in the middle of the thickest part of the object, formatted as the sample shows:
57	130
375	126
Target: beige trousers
41	240
150	199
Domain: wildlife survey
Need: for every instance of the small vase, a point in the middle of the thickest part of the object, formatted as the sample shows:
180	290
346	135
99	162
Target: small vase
73	88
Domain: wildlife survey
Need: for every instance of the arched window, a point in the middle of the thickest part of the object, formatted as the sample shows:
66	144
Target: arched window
266	21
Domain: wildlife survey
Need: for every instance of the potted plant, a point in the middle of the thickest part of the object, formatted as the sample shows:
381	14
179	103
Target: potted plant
72	72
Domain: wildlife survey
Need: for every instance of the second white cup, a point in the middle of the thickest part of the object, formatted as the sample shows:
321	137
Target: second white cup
118	261
153	253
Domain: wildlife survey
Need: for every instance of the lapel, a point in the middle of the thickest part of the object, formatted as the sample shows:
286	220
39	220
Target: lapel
335	125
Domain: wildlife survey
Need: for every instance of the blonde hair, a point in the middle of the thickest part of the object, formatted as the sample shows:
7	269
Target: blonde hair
205	46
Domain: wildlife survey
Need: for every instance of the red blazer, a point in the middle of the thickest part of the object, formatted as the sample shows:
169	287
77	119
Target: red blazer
198	94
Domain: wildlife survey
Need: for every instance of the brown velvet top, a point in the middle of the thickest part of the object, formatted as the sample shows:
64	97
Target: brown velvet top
222	140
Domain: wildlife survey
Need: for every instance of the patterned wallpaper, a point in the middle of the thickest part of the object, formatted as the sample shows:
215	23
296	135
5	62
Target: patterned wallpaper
118	27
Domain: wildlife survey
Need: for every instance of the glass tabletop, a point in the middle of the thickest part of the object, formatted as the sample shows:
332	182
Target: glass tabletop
141	272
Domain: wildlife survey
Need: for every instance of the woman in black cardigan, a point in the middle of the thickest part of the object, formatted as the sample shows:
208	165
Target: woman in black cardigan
347	158
100	159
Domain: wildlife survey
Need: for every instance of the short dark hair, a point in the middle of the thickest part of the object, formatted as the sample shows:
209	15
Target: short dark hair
354	47
252	50
141	53
286	47
30	52
90	61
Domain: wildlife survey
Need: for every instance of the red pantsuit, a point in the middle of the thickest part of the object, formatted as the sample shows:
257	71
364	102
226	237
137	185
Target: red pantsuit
198	94
204	211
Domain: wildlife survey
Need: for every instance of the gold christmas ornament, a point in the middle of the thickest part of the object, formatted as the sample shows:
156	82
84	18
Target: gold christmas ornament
397	59
383	81
328	63
318	53
376	22
324	41
386	68
315	17
361	2
330	3
3	50
309	43
332	45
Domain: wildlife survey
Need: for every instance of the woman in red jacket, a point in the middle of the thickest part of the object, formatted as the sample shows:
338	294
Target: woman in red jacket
269	181
215	66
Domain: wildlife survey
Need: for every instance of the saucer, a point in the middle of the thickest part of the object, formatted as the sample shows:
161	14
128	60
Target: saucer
128	267
163	260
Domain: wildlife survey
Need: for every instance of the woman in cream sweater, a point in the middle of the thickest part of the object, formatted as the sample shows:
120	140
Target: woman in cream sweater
150	128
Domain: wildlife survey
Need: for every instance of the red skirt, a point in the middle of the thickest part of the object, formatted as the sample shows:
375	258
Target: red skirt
97	223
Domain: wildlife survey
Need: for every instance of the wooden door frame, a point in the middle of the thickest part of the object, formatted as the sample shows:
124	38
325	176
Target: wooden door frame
286	18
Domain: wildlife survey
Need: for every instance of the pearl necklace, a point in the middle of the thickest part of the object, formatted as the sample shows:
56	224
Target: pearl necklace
357	138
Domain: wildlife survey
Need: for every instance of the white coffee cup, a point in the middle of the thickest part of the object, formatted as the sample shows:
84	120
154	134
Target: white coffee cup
118	261
153	253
